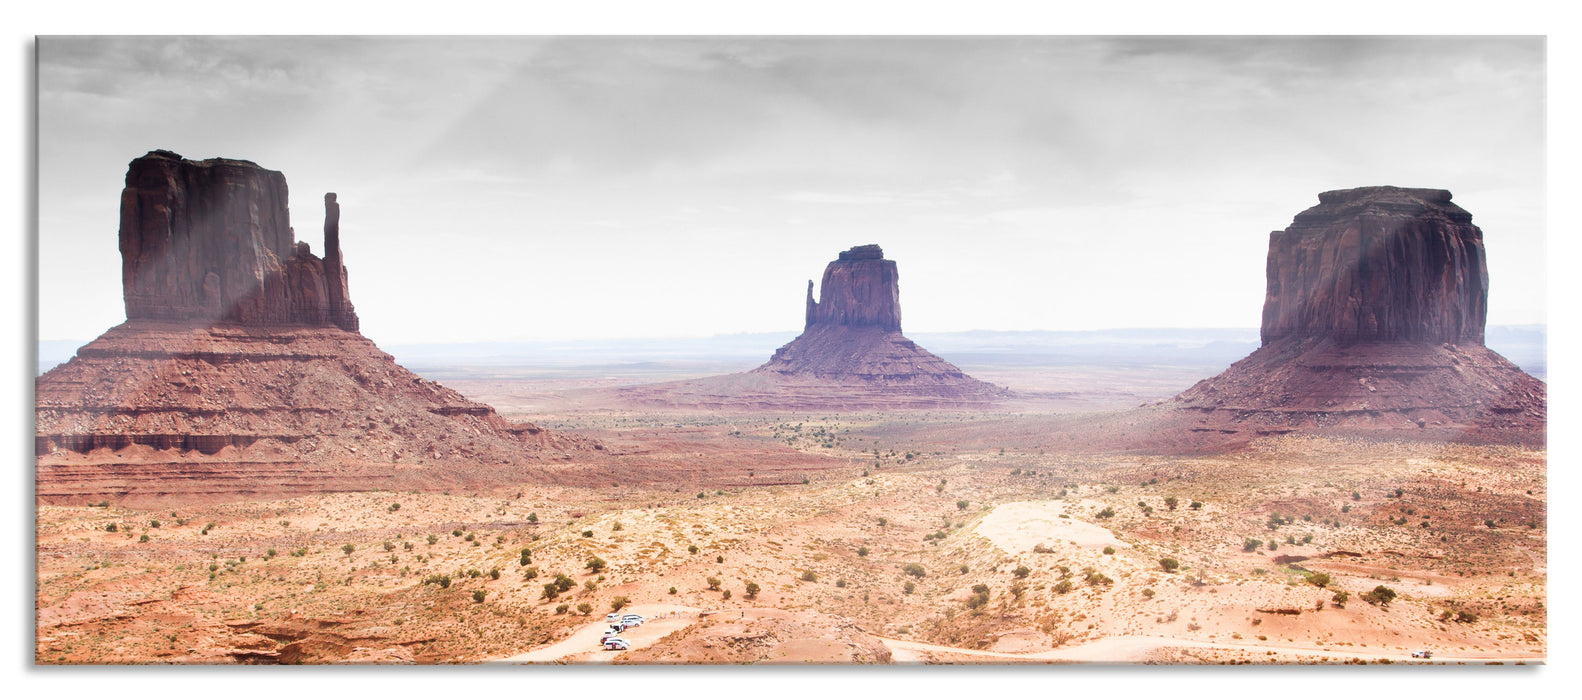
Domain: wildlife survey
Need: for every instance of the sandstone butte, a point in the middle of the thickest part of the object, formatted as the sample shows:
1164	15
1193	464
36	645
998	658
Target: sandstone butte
240	370
851	355
1374	318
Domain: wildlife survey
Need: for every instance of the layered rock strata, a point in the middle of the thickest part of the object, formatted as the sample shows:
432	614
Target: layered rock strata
240	371
1374	317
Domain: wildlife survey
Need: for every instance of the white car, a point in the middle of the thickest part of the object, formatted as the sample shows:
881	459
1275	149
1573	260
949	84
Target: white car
612	617
616	644
632	620
1422	654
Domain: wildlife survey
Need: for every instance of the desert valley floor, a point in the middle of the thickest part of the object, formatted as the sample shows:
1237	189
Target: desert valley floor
835	537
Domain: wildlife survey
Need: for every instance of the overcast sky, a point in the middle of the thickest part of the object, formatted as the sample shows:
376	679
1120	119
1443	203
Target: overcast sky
538	188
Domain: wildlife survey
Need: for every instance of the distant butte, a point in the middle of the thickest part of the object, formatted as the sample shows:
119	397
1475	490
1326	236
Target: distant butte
240	370
1374	319
851	355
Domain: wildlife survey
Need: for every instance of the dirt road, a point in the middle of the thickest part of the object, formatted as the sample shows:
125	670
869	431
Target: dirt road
583	647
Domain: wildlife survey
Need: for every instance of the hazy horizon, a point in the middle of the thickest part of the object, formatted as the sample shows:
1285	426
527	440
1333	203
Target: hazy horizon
540	188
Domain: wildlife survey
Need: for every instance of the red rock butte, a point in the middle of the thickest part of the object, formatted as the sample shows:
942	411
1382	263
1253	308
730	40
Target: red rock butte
1374	319
240	370
850	356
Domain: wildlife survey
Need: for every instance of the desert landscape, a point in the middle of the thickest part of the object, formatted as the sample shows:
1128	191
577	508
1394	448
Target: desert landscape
236	475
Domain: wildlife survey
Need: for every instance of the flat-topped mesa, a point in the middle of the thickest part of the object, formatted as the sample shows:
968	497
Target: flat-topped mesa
860	288
211	241
1378	264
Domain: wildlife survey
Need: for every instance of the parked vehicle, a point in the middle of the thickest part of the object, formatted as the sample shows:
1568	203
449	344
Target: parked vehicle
1422	654
612	617
616	644
632	620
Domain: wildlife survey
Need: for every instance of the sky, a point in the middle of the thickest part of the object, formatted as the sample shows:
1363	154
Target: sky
540	188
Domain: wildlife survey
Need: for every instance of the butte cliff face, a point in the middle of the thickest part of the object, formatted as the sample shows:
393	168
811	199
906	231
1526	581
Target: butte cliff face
240	371
1374	319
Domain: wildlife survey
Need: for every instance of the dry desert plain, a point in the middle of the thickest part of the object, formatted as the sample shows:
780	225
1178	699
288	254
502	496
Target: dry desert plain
900	537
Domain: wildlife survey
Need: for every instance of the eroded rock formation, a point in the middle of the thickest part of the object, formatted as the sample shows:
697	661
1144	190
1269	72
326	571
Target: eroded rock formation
1374	318
1378	263
850	356
210	241
240	371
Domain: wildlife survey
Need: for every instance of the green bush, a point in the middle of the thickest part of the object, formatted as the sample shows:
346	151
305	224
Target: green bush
477	596
1148	592
1251	545
808	575
562	608
564	582
1171	502
1109	550
433	538
1063	586
348	548
494	573
909	587
840	583
532	517
1318	578
672	590
1108	512
530	573
977	600
143	538
714	583
620	601
862	551
111	528
441	579
584	608
550	591
395	507
961	505
1340	598
1380	596
1169	564
527	556
913	570
692	549
752	589
587	533
1021	571
596	565
963	568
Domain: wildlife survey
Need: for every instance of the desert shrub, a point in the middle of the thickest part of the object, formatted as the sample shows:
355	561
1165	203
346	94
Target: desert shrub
617	527
441	580
433	538
1063	586
1251	545
1340	598
153	523
1487	523
883	522
1318	578
494	573
596	565
564	582
862	551
620	601
471	537
1345	508
840	583
1466	616
550	591
752	589
389	546
913	569
1021	571
808	575
672	590
1108	512
692	549
1169	564
143	538
726	595
908	588
1109	550
587	533
530	573
1355	496
1148	592
584	608
474	573
963	568
1380	596
477	596
302	552
1307	539
1273	545
527	556
395	507
961	505
1113	489
1097	579
977	600
562	608
270	553
532	517
714	583
980	588
719	558
112	527
455	533
1171	502
348	548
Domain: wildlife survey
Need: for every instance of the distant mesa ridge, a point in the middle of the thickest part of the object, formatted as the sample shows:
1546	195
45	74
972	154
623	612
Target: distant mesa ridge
240	369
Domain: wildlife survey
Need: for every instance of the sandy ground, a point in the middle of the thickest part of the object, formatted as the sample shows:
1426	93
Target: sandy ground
1018	527
1134	649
